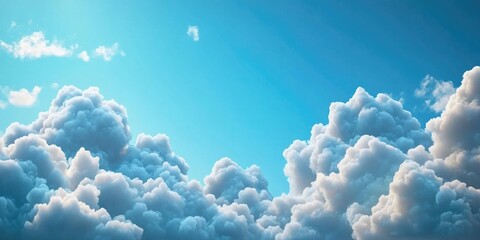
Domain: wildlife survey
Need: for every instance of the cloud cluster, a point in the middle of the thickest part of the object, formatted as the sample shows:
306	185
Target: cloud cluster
371	172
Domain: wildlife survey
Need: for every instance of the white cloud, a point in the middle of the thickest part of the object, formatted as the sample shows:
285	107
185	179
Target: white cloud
23	97
193	32
3	91
84	56
435	92
35	46
457	128
107	53
54	85
13	24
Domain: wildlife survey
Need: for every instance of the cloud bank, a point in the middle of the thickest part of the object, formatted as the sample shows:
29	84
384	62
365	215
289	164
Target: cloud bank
371	172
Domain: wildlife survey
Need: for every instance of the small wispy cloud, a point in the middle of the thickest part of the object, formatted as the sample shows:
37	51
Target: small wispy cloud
84	56
435	92
107	53
193	32
55	85
36	45
23	97
4	91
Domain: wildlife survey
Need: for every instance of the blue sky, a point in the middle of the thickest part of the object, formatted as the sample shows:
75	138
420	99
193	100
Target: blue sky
259	76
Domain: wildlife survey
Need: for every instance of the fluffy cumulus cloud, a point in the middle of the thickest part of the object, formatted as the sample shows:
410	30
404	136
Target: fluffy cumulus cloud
36	45
23	97
380	117
84	56
228	179
370	172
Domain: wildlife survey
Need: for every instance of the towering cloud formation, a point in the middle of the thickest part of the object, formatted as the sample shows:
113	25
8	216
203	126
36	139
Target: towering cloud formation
371	172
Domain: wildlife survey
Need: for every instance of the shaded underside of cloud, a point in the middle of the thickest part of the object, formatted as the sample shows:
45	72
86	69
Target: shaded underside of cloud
371	172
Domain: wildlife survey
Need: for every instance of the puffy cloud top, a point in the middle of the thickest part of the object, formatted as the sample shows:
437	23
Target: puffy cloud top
83	119
227	179
381	117
371	172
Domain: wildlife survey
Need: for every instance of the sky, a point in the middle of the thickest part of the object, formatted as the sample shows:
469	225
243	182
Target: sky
258	76
235	84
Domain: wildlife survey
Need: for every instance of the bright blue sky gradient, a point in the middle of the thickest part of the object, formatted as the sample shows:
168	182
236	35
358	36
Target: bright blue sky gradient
262	73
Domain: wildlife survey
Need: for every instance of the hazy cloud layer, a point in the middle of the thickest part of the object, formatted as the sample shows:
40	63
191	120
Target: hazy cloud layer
371	172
